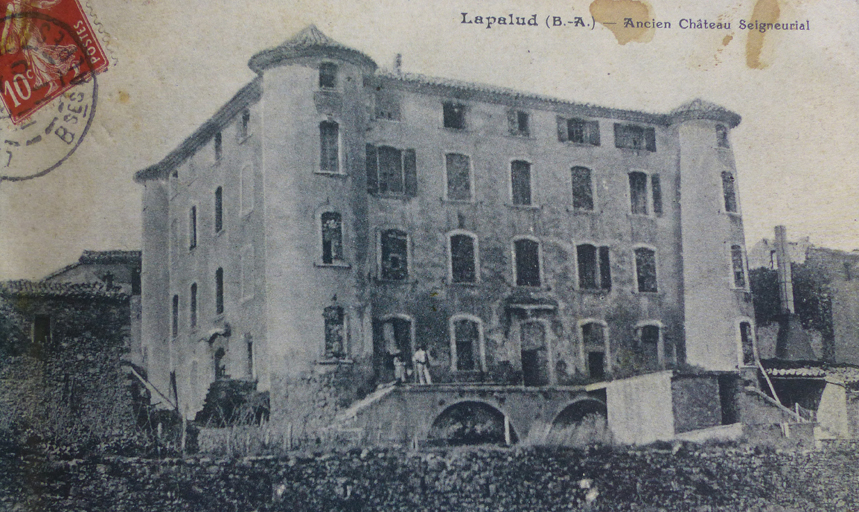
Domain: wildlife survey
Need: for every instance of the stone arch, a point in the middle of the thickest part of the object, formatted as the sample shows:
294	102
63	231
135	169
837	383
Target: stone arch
580	423
470	422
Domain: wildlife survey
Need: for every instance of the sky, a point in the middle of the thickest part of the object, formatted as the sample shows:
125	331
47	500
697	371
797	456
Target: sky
173	64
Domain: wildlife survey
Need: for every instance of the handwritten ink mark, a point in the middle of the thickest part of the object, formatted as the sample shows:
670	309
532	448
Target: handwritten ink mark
34	140
12	143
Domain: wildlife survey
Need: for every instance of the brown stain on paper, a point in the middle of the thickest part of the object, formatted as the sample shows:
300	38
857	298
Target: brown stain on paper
124	97
766	11
612	13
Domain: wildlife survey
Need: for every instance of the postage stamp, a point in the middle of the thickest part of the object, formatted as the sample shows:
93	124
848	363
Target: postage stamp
46	47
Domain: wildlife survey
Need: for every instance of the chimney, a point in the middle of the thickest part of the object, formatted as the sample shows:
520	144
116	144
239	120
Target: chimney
792	342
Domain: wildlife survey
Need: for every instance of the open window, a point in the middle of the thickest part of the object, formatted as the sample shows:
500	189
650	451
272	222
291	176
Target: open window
594	267
518	123
335	332
645	269
738	266
463	257
526	255
631	136
391	171
579	131
594	337
327	75
332	238
394	250
219	291
454	115
520	182
329	147
729	192
467	337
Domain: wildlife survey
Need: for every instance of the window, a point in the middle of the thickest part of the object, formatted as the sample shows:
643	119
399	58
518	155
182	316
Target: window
329	151
394	254
219	291
454	115
193	306
593	341
41	333
218	146
458	177
649	340
583	192
656	193
247	270
518	123
520	182
174	239
638	193
246	120
391	171
332	238
220	366
335	339
634	137
594	267
387	106
747	343
175	323
466	344
463	258
328	75
729	192
247	188
738	266
250	355
722	136
579	131
645	269
219	209
526	254
192	228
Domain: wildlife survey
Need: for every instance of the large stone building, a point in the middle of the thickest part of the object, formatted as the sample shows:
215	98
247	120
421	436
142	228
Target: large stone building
331	218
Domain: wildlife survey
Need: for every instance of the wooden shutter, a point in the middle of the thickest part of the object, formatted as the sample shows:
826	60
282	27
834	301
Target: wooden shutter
512	122
656	190
605	269
562	130
372	170
593	128
650	137
410	172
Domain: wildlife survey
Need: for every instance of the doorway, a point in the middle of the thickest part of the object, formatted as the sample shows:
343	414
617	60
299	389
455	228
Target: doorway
535	361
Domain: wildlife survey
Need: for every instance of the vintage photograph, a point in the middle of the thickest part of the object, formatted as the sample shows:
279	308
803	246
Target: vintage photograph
429	256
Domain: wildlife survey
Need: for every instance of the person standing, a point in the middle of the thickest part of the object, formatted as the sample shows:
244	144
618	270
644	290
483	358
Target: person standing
421	361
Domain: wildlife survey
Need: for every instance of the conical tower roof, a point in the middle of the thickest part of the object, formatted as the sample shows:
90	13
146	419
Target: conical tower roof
310	42
700	109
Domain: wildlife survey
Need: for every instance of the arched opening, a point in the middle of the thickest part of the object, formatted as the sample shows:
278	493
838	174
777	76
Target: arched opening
581	423
471	423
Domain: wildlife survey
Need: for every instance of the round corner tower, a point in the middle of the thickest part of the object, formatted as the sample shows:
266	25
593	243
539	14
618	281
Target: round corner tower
717	298
314	116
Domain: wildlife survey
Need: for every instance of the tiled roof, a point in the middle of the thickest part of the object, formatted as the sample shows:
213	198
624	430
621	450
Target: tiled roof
845	373
700	109
26	288
105	257
310	41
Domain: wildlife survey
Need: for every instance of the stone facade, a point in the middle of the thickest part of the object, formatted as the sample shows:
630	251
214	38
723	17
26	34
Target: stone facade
333	218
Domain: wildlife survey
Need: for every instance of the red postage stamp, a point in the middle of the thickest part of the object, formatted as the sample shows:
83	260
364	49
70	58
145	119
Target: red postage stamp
46	47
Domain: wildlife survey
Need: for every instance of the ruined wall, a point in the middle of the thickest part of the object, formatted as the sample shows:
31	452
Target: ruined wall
696	403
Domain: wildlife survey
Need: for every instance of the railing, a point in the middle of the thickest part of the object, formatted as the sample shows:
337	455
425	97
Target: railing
805	414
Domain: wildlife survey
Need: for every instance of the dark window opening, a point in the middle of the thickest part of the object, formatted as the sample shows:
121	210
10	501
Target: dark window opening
520	179
250	356
135	281
656	191
327	75
634	137
329	150
192	228
738	265
220	365
193	305
596	365
454	115
593	334
335	336
518	123
462	259
747	342
175	323
535	363
594	267
246	120
645	269
579	131
219	209
729	192
638	193
583	193
332	237
649	345
527	253
458	177
395	246
467	338
219	291
722	136
218	146
391	171
41	334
